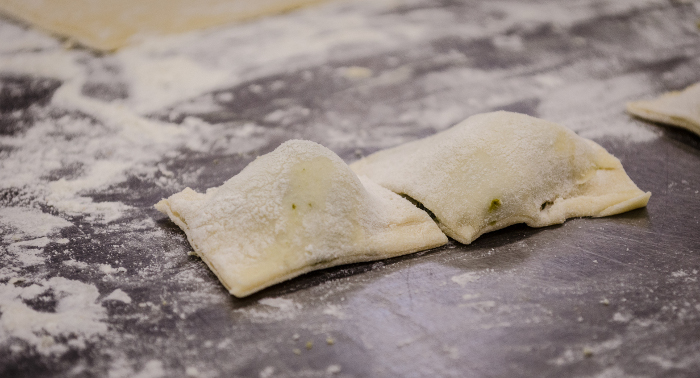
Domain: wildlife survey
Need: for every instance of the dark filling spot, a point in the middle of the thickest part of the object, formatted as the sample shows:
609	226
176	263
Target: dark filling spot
545	205
294	206
420	206
495	204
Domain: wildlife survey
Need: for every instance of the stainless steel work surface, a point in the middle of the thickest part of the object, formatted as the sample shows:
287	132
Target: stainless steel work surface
95	282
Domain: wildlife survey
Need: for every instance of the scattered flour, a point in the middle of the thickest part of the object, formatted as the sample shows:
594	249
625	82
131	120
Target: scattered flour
108	269
464	279
105	142
28	252
622	318
570	356
679	273
118	295
77	316
267	372
152	369
333	369
283	309
335	310
470	296
117	138
31	223
76	264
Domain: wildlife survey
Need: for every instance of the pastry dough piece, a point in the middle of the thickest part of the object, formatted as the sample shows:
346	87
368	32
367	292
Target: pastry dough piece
497	169
294	210
681	108
111	24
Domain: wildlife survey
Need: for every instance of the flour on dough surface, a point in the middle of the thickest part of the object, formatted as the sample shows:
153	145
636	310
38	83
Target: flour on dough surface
497	169
679	108
297	209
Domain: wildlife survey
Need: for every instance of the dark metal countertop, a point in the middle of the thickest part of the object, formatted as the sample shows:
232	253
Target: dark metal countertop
608	297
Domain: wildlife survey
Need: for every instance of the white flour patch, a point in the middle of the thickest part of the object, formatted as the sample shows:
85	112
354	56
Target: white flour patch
679	273
108	269
75	264
333	369
77	317
464	279
273	309
335	310
267	372
31	223
624	131
118	295
29	252
595	109
622	318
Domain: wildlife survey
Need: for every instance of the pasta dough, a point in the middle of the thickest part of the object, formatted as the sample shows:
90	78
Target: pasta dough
109	24
680	108
296	209
498	169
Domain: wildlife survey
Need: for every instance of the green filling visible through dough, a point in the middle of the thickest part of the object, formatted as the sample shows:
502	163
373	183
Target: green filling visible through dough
495	205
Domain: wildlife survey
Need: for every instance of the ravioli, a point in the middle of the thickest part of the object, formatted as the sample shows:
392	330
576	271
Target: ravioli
294	210
681	108
497	169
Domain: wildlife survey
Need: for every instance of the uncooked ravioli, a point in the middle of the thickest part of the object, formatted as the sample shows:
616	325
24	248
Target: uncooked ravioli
498	169
111	24
680	108
294	210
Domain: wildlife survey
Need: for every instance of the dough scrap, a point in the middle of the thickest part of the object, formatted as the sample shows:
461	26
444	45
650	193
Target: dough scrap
678	108
497	169
297	209
108	25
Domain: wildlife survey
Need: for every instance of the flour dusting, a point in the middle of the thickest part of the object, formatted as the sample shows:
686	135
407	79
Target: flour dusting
465	278
275	309
118	295
76	316
30	223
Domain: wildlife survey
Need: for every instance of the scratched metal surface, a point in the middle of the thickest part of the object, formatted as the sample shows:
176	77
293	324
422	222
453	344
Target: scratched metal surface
607	297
